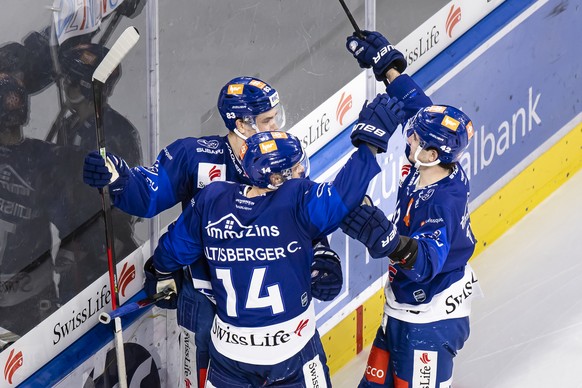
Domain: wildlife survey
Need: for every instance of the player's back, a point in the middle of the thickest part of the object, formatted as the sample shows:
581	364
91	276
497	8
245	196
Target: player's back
258	246
259	255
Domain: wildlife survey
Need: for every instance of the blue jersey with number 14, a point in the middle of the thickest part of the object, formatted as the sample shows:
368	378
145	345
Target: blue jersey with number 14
260	249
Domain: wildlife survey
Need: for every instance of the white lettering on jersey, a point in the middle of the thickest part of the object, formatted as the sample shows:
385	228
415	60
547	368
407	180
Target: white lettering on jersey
264	345
212	144
247	254
313	373
229	227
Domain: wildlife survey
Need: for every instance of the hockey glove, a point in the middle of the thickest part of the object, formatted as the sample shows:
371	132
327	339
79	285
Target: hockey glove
131	8
326	274
377	122
156	281
376	52
369	225
97	173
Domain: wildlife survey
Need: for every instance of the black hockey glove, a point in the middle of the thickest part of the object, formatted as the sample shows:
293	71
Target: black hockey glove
326	274
156	281
377	122
97	173
376	52
131	8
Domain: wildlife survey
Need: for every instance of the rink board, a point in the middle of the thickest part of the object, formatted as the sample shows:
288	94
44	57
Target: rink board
544	152
527	118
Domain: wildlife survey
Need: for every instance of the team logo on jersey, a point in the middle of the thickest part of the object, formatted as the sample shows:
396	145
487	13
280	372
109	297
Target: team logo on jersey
419	296
209	172
213	144
425	195
425	369
15	361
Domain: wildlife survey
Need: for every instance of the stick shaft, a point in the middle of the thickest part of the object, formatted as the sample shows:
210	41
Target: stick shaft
113	58
355	25
120	354
134	306
352	20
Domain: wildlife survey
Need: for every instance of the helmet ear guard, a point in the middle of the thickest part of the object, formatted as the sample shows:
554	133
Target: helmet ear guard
245	98
444	128
269	159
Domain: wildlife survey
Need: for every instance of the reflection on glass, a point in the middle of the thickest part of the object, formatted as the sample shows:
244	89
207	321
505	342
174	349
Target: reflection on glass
32	210
52	239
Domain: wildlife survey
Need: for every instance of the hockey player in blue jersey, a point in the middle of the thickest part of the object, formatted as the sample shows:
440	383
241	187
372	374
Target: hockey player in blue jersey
429	240
257	241
247	105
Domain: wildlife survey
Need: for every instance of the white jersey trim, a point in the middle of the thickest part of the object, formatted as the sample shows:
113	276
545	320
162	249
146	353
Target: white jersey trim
453	302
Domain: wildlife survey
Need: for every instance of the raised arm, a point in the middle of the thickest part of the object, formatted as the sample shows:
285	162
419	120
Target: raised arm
377	53
328	203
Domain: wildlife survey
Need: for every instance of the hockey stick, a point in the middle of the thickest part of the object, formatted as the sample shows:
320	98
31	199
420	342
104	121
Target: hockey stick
134	306
357	30
118	51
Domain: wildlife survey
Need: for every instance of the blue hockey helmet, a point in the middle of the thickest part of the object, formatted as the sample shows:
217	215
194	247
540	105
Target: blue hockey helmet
443	128
271	158
247	97
78	64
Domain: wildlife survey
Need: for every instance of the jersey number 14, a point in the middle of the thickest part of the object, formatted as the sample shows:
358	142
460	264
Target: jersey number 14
254	298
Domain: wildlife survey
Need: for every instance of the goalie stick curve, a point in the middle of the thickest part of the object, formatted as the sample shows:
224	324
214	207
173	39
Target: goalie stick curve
118	51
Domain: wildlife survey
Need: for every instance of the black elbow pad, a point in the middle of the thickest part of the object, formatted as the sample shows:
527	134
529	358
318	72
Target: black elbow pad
405	254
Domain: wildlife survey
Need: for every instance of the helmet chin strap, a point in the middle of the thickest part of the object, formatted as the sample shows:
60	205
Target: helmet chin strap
418	163
239	134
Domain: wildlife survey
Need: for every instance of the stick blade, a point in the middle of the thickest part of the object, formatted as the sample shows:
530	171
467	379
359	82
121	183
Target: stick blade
118	51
